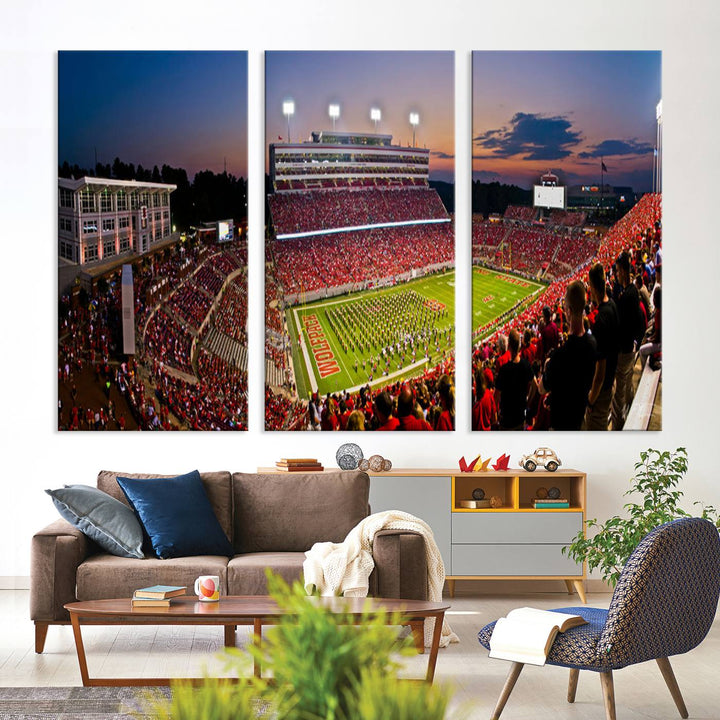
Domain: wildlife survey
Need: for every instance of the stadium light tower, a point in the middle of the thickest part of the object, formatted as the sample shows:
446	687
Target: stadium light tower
414	121
375	116
334	112
288	111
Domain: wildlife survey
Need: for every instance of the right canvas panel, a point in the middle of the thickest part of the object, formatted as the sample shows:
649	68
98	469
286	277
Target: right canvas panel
567	241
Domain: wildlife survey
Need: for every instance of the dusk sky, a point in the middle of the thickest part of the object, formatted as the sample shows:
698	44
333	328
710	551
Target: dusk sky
534	111
184	109
396	82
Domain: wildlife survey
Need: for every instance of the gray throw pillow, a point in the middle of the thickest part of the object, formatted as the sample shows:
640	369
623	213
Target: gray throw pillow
110	523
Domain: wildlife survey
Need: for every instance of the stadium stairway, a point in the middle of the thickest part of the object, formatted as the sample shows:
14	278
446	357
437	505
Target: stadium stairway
231	351
274	376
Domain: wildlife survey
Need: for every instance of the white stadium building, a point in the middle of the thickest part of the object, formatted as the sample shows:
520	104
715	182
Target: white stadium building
100	218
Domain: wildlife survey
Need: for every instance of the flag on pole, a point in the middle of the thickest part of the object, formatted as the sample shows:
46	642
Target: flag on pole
604	167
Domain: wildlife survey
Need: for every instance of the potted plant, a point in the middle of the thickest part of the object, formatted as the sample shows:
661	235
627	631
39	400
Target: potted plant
323	668
656	479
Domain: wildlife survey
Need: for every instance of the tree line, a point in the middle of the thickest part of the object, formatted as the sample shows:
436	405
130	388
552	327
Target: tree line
209	197
494	197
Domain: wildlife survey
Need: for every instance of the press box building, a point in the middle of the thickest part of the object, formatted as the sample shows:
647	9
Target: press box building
99	218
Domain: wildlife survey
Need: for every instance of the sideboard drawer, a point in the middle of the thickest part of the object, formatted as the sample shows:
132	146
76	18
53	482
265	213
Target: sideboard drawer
516	560
541	526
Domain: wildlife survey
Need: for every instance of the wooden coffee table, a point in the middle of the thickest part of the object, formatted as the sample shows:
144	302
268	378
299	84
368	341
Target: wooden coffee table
231	611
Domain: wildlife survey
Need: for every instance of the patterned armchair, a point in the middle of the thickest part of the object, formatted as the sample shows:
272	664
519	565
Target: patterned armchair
664	604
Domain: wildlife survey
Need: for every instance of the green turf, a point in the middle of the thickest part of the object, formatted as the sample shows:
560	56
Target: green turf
495	293
440	288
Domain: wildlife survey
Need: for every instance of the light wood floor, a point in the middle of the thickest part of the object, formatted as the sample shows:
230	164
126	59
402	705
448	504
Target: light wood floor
539	694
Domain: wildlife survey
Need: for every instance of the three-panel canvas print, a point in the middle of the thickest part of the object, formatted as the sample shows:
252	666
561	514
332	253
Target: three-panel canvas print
359	241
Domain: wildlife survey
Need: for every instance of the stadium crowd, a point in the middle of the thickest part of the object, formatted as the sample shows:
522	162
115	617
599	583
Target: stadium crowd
163	386
566	362
531	251
361	256
317	210
423	403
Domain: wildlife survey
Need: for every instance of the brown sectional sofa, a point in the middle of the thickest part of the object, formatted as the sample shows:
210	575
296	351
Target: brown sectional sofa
271	520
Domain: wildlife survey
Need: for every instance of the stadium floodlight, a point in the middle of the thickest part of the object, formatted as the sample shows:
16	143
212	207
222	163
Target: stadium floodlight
414	121
288	111
334	112
375	116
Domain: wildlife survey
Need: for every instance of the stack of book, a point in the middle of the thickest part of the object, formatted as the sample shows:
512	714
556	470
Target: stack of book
299	465
156	595
551	503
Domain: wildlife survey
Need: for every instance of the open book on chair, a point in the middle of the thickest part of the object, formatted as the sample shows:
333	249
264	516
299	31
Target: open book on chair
527	634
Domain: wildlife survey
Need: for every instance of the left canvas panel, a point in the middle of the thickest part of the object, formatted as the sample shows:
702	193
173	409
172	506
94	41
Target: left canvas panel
152	240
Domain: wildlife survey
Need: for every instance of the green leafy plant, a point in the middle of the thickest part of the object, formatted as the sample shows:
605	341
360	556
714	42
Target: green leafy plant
325	666
213	699
657	475
380	696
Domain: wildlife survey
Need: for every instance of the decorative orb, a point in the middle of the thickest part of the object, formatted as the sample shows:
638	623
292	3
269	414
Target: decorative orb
541	493
554	493
496	501
348	456
387	465
376	463
364	465
478	494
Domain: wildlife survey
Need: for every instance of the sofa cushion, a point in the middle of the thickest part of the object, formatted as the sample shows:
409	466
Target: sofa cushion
110	523
217	487
108	576
246	573
290	513
176	515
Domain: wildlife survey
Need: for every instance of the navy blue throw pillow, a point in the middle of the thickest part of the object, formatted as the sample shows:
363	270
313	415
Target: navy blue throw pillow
177	515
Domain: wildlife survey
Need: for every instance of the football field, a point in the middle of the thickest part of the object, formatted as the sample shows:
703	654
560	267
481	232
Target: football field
494	293
374	336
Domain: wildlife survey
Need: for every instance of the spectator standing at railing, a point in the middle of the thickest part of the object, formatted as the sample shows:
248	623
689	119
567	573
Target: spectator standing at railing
631	331
606	332
484	412
512	385
549	335
643	294
569	371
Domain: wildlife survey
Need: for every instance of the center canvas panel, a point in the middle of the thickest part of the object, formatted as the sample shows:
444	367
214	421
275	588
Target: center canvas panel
360	261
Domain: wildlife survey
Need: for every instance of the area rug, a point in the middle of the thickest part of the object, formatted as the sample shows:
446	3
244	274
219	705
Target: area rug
66	703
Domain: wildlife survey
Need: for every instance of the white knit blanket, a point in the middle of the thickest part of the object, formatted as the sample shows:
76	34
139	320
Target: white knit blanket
344	568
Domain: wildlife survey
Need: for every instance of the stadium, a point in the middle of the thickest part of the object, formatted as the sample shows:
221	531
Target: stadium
359	283
523	263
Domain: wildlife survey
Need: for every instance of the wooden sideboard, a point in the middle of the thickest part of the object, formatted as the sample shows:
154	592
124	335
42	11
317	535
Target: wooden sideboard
513	541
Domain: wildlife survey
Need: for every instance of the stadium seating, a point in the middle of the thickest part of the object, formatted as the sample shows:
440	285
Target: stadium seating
636	232
315	263
318	210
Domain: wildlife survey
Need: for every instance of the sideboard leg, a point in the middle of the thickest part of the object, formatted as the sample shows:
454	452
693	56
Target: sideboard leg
580	590
451	587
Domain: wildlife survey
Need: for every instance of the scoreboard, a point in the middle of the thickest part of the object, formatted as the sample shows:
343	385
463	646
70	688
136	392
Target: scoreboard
550	196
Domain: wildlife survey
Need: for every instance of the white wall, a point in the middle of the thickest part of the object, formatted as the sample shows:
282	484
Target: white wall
35	456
